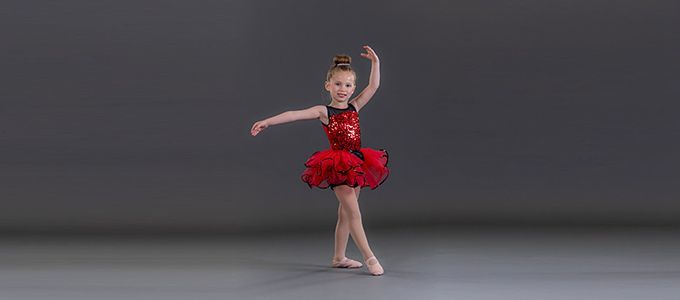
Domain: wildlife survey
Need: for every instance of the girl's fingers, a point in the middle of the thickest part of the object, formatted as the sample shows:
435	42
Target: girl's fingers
371	50
370	54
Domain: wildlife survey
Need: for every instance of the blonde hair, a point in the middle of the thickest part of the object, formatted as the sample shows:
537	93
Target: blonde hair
341	62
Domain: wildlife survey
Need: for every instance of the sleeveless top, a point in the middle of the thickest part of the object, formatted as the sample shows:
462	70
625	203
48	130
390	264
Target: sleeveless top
343	129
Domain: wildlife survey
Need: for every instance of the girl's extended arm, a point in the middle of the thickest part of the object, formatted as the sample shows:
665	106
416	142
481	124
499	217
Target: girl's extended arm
373	81
313	112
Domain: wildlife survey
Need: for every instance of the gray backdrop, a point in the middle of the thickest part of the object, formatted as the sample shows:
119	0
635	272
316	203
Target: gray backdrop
135	115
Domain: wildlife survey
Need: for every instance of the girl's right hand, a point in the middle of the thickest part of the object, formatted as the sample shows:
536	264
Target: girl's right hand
258	126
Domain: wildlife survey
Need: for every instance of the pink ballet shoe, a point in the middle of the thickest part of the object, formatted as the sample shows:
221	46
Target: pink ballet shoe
374	266
346	263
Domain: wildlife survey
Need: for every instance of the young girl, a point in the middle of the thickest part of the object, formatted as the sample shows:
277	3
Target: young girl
346	167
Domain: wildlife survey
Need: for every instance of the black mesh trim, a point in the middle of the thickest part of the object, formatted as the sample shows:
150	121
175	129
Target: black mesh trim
357	153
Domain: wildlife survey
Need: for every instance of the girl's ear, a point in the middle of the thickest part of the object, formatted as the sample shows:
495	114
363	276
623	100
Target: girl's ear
326	86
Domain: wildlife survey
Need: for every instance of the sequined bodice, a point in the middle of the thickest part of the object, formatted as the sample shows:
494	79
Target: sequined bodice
343	128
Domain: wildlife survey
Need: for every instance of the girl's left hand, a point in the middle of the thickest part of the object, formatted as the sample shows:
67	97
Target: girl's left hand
370	54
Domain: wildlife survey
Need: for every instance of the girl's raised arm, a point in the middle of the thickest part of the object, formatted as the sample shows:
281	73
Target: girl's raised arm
313	112
373	81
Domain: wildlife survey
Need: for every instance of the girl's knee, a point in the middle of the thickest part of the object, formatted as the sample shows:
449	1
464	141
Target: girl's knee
352	214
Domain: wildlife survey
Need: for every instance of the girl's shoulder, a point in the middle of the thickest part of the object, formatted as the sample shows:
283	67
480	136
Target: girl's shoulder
321	109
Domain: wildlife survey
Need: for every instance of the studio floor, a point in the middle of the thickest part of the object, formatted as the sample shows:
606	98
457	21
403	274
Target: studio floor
470	262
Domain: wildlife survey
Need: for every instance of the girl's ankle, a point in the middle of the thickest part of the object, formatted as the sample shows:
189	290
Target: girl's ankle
367	257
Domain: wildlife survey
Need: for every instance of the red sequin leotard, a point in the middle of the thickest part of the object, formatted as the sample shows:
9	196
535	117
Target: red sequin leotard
346	162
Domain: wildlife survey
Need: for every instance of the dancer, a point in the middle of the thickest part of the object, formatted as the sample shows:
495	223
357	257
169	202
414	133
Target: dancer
346	167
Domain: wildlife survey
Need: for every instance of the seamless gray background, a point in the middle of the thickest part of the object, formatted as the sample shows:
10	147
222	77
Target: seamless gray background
135	115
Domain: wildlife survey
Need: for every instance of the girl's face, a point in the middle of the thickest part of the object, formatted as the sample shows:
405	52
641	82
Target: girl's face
341	86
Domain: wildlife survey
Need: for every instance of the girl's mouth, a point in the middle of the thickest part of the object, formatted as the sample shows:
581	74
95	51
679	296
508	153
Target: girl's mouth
341	95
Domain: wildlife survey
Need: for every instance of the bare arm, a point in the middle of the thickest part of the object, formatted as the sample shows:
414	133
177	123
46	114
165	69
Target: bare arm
373	81
313	112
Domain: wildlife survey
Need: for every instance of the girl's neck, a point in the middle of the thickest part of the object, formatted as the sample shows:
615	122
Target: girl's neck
339	104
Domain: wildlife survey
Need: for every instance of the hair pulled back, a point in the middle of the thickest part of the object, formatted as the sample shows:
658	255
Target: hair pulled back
341	62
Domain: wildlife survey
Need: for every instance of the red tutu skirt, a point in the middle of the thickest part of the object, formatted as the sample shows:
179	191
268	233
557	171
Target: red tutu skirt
365	167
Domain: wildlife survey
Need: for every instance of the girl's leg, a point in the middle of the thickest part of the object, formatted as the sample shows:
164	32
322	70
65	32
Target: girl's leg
342	231
352	215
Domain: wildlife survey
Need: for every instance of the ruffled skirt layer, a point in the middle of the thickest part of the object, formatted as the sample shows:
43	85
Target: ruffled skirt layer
365	167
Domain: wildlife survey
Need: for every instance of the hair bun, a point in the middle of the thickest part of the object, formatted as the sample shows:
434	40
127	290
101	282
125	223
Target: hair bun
342	59
340	64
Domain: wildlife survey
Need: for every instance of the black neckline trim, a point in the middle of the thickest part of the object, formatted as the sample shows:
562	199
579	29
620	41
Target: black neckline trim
348	107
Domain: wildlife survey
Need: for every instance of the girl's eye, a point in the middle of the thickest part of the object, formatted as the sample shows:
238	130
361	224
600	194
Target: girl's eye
348	85
337	83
